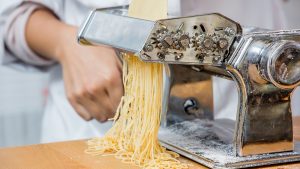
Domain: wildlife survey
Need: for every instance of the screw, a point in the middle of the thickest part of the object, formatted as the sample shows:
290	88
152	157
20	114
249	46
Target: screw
200	56
168	40
207	43
148	48
215	38
146	56
159	45
229	31
223	43
178	56
161	56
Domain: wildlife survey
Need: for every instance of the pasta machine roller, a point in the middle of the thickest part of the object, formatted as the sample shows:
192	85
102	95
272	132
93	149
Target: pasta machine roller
265	66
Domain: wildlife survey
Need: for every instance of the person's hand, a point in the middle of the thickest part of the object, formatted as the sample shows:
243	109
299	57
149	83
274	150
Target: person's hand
92	77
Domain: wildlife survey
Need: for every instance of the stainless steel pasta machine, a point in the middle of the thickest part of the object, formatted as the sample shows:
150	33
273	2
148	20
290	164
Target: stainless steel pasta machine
265	66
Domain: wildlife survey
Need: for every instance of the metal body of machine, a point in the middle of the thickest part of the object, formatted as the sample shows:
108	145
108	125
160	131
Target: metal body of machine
264	65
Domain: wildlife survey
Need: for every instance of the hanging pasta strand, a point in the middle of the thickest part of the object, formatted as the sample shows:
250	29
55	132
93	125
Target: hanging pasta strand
134	136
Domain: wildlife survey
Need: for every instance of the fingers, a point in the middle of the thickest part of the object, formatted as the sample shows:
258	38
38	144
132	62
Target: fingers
81	111
88	107
96	101
103	106
94	84
98	110
116	91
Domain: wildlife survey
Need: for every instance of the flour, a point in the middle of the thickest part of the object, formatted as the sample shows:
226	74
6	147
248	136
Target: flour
208	141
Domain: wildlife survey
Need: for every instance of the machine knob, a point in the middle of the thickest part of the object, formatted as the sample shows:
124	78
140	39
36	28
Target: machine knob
190	106
283	64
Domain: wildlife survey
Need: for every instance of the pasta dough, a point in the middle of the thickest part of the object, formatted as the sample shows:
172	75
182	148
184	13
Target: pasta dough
133	137
148	9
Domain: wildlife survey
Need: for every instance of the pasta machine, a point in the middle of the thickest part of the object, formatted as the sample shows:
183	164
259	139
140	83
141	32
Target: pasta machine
265	66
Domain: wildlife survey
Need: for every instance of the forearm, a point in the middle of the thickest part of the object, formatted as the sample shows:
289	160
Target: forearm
44	34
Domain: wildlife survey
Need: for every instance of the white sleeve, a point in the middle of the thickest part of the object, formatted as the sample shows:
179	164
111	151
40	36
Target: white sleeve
13	47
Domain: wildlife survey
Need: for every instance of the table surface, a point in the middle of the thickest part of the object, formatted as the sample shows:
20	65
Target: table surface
70	155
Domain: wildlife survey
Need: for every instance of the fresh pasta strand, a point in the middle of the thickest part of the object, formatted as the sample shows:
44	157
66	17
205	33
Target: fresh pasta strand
134	136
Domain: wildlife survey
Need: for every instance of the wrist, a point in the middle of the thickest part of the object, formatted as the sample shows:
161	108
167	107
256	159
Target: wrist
66	41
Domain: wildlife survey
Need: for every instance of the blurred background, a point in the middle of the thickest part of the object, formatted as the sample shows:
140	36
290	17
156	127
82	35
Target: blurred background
23	95
22	98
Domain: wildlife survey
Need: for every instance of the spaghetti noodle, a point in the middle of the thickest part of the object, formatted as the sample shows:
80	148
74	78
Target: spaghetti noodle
133	137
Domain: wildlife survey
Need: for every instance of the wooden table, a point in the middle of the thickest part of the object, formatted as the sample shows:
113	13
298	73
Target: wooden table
70	155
